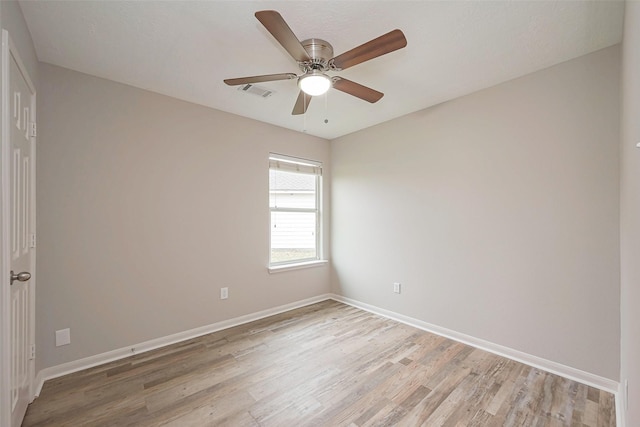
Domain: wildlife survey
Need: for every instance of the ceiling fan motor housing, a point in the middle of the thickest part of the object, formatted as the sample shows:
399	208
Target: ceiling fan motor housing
320	51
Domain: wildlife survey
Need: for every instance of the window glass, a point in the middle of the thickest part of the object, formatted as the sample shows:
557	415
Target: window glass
293	236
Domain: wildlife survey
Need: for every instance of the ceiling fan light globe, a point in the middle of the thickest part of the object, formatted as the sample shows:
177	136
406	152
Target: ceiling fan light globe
315	84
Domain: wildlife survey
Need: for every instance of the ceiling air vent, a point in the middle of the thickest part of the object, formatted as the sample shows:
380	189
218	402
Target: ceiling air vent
255	90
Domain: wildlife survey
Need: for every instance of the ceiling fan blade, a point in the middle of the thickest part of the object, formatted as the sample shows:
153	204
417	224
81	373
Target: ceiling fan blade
357	90
302	103
276	25
258	79
382	45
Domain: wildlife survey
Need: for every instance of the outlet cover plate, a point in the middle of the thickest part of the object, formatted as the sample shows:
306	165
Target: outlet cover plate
63	337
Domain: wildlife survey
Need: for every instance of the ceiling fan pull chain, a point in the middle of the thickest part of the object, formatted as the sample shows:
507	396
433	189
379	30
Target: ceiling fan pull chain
326	108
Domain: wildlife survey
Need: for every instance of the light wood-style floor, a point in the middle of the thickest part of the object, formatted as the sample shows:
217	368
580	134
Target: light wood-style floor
327	364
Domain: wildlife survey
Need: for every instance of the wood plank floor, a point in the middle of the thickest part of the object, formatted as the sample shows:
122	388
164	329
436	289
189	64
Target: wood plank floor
327	364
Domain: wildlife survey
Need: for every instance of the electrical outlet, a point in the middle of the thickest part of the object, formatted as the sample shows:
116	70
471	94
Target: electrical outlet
396	287
224	293
63	337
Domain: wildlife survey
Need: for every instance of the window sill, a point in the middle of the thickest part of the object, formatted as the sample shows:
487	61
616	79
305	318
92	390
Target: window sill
287	267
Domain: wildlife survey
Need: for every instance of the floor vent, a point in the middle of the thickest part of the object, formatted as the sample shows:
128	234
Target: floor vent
256	90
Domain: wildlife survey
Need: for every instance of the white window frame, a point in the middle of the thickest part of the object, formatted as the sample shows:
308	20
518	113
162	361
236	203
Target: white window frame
311	167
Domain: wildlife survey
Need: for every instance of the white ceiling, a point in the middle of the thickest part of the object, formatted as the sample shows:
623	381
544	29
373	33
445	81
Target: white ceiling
185	49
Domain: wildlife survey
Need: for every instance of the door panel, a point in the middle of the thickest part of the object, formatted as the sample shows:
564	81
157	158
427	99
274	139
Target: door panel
21	223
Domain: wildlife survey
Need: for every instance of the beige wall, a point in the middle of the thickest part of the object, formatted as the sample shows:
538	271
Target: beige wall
630	211
498	213
147	206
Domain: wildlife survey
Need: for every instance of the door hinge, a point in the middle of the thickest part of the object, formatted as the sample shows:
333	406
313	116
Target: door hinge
33	129
32	241
32	354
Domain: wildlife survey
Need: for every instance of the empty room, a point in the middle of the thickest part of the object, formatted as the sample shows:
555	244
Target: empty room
320	213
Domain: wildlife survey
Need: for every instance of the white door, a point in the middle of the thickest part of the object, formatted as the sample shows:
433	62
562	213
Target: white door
21	133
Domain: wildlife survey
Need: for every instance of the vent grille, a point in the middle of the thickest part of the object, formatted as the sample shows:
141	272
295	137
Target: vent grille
256	90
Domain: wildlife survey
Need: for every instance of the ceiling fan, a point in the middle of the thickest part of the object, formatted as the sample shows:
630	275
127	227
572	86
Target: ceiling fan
315	58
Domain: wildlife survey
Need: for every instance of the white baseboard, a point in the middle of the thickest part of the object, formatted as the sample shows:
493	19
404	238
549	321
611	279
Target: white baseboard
121	353
537	362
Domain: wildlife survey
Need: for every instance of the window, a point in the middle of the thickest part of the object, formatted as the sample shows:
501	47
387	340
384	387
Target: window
295	205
